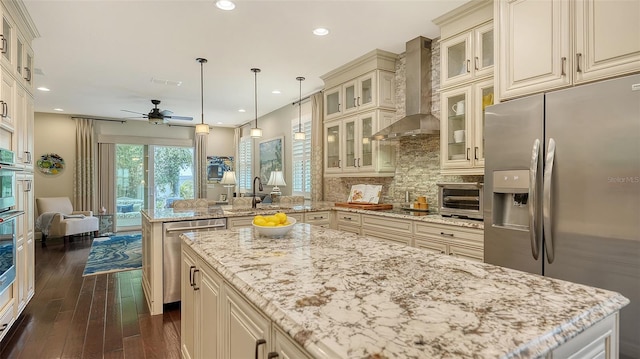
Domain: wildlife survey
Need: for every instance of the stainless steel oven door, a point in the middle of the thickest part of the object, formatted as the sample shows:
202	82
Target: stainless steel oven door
7	188
8	248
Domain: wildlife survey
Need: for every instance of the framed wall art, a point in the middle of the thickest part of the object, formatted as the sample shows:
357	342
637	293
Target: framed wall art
271	157
216	166
50	164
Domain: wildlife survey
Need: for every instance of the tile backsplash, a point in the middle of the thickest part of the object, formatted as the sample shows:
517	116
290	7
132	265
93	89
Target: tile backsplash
418	161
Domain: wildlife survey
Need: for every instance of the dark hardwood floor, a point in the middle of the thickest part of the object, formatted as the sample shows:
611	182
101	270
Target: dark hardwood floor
100	316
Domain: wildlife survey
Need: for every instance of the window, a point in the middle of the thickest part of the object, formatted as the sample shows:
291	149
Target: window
244	164
301	159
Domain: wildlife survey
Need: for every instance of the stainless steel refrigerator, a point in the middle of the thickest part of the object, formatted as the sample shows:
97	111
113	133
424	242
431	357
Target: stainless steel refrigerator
562	190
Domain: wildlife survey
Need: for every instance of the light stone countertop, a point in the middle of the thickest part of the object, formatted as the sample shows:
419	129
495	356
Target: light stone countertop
353	297
171	215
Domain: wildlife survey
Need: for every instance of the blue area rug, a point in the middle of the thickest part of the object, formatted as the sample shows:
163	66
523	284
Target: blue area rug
114	254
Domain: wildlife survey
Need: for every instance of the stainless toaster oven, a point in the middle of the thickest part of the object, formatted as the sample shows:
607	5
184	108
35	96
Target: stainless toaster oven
460	199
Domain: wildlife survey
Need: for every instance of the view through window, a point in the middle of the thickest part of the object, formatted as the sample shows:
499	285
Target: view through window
169	171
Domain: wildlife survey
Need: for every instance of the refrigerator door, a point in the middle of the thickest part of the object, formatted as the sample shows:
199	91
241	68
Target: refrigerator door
513	182
594	199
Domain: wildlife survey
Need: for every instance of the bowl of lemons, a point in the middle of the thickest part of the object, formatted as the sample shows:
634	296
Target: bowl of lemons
275	225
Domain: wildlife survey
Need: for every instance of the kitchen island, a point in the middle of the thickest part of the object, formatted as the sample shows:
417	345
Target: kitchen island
332	294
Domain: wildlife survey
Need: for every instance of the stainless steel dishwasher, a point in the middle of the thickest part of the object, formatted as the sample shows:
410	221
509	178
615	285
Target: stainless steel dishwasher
171	256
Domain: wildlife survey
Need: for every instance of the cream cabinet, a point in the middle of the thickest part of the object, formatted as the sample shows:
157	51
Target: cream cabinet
7	99
349	150
24	285
456	241
467	56
545	45
466	81
462	128
333	102
239	222
7	39
200	308
24	128
390	229
319	218
220	322
348	222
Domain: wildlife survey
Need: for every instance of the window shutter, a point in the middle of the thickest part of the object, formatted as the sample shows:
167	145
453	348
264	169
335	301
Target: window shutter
244	164
301	159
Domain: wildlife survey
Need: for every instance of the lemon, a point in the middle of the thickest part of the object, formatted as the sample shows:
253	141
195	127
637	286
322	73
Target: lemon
260	221
258	217
270	224
282	217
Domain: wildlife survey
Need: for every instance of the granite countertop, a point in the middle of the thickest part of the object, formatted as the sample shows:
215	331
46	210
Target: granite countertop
341	295
171	215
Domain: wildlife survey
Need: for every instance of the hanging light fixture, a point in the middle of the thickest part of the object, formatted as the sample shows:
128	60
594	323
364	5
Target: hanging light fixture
299	136
202	128
256	132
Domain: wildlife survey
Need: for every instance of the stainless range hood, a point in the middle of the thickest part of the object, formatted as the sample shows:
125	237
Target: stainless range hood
418	119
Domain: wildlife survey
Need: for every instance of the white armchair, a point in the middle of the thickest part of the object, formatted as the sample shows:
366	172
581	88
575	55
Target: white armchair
58	219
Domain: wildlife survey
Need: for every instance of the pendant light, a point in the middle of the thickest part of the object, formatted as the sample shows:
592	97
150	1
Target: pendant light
256	132
299	136
202	128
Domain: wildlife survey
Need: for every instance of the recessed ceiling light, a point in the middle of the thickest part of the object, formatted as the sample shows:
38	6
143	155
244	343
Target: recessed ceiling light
225	5
218	123
58	109
277	92
321	31
42	88
242	110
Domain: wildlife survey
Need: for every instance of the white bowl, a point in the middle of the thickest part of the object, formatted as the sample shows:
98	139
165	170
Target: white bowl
275	231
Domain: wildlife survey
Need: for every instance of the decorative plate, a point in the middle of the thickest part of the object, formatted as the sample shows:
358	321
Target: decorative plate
50	164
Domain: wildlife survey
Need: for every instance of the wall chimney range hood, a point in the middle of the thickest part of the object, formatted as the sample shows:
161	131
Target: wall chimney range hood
418	119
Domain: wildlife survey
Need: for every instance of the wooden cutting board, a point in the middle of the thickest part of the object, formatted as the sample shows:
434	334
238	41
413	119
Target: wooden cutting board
369	206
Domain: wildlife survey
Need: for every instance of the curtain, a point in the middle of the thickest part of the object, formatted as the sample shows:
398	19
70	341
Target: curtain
317	146
200	154
106	176
84	195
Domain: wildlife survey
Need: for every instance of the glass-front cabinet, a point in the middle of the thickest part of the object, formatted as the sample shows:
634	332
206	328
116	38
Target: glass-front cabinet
467	56
333	102
359	93
332	162
462	136
350	151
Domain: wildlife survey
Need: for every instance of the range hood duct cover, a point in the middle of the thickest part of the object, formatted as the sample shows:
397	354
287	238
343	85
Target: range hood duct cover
418	119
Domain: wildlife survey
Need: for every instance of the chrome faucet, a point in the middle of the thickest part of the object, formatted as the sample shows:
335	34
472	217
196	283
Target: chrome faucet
253	195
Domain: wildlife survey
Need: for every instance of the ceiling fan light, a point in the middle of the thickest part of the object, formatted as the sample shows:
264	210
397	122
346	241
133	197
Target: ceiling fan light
299	136
202	129
256	132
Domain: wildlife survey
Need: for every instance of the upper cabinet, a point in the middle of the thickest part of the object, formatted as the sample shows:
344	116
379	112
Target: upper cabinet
467	56
16	55
545	45
359	99
466	84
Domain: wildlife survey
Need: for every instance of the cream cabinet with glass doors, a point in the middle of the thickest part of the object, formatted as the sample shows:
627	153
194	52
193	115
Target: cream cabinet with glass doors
545	45
466	81
462	128
349	150
467	56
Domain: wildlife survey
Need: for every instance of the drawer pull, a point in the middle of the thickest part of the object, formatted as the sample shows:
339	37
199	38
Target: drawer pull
318	217
4	326
273	355
446	234
259	342
194	279
346	218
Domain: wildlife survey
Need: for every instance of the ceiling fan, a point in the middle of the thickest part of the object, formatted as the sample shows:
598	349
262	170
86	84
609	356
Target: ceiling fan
156	116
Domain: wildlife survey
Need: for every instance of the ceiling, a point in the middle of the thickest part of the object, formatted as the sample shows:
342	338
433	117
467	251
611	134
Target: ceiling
99	57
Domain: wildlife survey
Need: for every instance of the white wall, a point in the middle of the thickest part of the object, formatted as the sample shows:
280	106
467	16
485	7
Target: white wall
54	133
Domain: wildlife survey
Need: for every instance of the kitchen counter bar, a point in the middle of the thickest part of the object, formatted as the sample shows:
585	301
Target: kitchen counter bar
349	296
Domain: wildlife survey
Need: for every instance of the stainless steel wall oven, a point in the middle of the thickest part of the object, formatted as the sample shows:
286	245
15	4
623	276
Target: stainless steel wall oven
8	216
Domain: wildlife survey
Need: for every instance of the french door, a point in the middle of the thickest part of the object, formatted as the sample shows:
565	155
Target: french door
150	176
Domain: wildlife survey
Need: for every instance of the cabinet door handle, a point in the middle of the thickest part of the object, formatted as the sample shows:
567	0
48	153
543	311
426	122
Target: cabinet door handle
273	355
27	71
28	187
468	148
358	161
5	109
578	58
468	66
355	161
564	64
446	234
358	101
4	326
475	153
259	342
477	63
339	163
4	44
191	268
28	153
194	279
